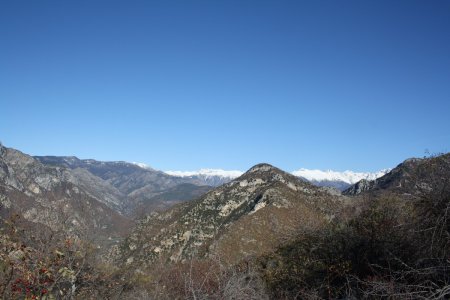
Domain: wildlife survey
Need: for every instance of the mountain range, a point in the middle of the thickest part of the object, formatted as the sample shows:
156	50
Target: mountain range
124	189
212	177
339	180
144	221
128	185
336	179
257	211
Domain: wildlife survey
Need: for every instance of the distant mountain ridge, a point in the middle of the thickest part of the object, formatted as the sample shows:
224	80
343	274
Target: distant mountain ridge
208	176
329	178
339	180
127	185
212	177
330	175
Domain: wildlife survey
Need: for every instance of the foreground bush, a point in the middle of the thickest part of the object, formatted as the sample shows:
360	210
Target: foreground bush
383	253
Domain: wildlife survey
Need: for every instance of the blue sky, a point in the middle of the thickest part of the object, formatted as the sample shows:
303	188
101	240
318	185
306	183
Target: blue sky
357	85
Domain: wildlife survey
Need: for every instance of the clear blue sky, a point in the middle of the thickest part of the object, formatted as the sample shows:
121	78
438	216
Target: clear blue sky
182	85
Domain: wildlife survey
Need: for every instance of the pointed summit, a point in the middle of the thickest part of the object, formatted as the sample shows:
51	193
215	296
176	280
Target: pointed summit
262	167
264	174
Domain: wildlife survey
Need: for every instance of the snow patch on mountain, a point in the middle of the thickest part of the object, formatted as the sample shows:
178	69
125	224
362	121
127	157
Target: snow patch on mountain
142	165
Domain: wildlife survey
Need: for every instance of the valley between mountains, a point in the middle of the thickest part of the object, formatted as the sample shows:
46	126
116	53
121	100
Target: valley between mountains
85	229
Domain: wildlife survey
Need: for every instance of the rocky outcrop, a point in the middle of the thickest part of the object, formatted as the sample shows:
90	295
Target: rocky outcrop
359	187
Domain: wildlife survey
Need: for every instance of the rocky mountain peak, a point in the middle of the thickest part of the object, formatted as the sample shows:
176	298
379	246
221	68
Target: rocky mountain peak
265	175
262	167
207	224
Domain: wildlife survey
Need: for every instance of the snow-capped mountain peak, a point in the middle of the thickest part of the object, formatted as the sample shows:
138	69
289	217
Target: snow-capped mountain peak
213	177
340	180
349	177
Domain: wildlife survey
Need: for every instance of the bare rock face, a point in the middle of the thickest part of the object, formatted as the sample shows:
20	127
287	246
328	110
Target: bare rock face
244	217
360	187
52	197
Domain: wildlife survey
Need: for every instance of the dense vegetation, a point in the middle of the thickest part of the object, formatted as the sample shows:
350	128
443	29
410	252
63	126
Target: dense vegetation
379	254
